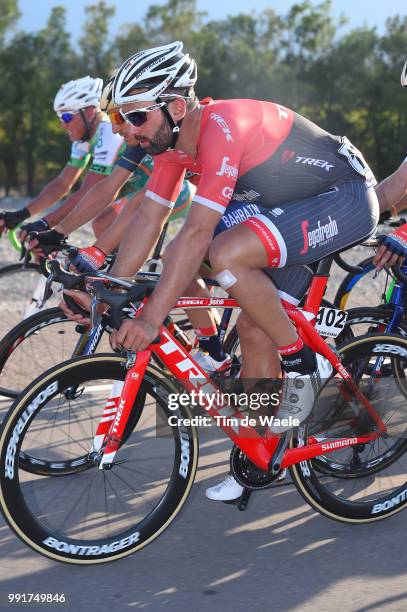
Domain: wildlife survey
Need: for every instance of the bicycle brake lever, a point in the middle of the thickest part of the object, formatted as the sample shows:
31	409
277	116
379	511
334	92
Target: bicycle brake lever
25	255
95	316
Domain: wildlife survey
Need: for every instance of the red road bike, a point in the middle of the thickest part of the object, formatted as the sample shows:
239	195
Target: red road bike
133	456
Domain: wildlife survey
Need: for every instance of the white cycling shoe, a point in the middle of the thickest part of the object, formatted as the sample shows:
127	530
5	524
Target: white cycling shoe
230	490
298	395
210	365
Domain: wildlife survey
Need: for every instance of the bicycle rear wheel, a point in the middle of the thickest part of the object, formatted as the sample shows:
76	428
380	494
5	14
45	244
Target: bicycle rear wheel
94	516
372	481
35	345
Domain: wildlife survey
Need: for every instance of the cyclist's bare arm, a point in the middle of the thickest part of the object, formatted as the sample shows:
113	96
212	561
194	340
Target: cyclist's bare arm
94	201
402	204
91	179
392	191
147	223
112	237
183	258
55	190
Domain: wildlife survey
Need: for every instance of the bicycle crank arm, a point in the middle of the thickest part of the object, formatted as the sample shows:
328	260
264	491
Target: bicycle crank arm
275	462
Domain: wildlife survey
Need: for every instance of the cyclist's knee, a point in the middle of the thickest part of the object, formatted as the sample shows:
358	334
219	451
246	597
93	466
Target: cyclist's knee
244	324
224	254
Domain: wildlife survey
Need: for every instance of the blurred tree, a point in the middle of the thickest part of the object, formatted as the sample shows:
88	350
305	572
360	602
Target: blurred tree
132	38
348	83
98	53
33	66
175	20
9	14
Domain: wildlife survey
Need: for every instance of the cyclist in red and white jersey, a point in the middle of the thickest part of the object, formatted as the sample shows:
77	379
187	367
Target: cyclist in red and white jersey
300	192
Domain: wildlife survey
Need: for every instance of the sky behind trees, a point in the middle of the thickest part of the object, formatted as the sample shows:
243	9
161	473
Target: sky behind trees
34	14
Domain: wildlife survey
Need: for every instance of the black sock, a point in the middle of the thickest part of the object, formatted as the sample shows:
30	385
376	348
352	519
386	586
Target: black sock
212	345
302	361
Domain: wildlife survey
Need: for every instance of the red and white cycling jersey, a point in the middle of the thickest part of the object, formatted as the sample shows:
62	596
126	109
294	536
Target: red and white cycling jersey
253	151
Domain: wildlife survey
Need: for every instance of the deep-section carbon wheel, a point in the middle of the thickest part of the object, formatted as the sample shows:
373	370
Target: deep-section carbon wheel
93	515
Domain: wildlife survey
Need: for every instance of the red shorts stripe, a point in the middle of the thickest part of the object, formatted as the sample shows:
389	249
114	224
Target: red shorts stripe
268	240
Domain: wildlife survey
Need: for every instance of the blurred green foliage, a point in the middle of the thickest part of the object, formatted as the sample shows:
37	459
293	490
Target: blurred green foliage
346	81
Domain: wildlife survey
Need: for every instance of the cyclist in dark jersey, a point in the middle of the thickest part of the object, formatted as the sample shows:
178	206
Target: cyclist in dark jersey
314	193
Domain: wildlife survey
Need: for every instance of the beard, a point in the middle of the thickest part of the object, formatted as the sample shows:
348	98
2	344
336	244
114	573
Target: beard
161	141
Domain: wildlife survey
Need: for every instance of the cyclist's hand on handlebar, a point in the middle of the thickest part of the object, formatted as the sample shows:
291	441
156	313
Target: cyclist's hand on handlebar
134	335
393	248
84	301
51	238
35	226
88	260
10	219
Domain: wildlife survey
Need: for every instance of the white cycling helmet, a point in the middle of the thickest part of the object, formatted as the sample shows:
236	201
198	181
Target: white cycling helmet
106	96
78	94
403	78
156	69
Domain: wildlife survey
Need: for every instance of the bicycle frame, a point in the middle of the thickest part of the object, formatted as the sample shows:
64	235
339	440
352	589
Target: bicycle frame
261	450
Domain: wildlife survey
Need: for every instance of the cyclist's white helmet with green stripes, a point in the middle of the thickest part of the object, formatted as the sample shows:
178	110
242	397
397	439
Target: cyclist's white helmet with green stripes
78	94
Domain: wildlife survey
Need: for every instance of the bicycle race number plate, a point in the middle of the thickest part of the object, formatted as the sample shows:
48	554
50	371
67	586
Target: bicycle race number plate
330	321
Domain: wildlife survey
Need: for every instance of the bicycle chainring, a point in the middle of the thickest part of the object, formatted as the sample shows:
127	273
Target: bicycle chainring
247	474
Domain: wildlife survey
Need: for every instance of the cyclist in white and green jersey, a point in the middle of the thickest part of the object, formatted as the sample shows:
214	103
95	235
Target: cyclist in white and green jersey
94	145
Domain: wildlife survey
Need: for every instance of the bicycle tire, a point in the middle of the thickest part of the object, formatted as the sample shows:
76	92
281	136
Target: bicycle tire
36	532
313	485
12	377
352	281
16	294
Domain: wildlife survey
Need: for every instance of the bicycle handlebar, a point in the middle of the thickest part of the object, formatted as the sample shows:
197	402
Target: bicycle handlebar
399	274
68	279
118	301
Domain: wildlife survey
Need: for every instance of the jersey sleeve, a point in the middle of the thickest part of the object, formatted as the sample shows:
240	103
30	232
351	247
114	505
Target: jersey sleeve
166	180
106	149
130	158
220	152
80	154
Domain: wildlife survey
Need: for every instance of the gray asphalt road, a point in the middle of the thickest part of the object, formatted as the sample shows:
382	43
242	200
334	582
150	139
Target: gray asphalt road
278	555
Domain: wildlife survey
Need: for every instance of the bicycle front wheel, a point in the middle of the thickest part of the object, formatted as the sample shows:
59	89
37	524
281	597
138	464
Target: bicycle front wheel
94	516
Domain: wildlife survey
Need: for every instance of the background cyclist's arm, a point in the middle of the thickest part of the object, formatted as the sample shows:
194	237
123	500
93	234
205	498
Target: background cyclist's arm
94	201
392	191
90	180
402	205
133	252
112	237
54	191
